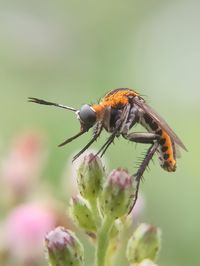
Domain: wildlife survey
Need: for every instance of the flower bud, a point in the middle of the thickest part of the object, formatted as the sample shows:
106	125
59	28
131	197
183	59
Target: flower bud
64	248
118	194
82	214
144	244
90	177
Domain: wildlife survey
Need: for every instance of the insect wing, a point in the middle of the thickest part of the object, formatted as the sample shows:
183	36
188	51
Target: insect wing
161	122
178	152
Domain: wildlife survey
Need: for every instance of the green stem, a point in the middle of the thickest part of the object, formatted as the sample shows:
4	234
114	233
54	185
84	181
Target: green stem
103	241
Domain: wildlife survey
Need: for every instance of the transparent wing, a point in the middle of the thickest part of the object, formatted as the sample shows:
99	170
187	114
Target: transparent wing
178	152
161	122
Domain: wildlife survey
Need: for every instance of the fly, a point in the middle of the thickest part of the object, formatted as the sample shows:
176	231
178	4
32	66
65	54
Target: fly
117	112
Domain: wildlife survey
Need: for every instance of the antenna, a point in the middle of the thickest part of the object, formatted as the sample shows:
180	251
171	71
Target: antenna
39	101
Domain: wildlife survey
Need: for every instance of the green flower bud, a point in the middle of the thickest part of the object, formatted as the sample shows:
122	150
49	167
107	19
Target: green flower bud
82	214
90	177
144	244
118	194
64	248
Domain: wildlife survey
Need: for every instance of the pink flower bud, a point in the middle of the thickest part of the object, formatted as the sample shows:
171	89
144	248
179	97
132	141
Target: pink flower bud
64	248
118	193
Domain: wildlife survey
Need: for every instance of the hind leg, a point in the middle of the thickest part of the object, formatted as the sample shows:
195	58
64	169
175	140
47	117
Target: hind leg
142	137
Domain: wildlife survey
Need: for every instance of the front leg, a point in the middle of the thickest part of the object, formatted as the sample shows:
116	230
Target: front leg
97	131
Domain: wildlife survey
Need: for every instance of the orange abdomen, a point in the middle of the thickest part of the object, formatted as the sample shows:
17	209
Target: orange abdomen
166	148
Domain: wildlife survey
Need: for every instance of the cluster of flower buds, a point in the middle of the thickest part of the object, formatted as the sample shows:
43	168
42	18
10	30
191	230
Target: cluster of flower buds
100	209
101	196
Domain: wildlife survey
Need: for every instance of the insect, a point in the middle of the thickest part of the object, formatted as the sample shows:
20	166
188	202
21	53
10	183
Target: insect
117	112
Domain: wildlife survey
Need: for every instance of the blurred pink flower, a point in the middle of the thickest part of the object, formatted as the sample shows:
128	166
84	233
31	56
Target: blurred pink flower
25	229
21	167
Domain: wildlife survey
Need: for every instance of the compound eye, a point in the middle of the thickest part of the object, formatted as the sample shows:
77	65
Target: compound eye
87	115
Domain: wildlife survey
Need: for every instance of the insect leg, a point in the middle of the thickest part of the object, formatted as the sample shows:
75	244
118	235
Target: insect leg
146	160
141	137
105	146
138	175
95	136
146	138
72	138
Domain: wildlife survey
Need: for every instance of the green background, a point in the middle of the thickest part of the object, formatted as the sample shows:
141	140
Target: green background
73	52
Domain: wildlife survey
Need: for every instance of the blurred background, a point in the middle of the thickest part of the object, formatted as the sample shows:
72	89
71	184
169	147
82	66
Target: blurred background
73	52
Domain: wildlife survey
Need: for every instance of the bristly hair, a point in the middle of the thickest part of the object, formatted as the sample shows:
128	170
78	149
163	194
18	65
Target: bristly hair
140	160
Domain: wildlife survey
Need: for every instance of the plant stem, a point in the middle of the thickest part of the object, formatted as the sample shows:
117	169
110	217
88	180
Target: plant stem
103	241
